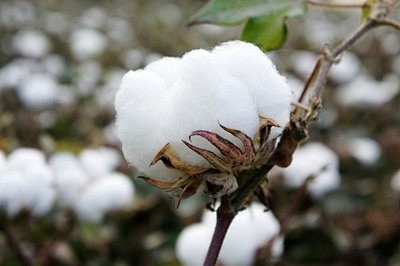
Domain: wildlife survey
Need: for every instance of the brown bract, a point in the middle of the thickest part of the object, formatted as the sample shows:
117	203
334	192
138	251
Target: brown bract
220	178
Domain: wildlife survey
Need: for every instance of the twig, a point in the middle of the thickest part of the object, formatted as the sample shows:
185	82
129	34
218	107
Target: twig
15	245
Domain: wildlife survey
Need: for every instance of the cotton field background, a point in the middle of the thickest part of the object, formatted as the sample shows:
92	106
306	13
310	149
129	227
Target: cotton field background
68	196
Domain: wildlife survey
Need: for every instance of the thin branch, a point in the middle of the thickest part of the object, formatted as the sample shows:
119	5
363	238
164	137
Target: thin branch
389	22
225	215
15	245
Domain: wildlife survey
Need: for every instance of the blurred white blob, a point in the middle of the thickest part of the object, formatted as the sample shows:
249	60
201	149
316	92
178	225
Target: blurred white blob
39	90
303	63
313	160
395	182
365	150
111	192
251	229
12	73
172	97
366	91
28	183
31	43
346	69
94	17
16	14
88	184
86	43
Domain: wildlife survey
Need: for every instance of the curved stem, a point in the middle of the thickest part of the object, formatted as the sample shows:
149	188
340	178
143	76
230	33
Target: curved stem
225	215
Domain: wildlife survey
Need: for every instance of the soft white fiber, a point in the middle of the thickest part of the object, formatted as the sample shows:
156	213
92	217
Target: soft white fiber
172	97
313	160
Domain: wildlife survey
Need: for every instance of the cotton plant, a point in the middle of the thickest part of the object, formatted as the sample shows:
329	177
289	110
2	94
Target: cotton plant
202	118
250	231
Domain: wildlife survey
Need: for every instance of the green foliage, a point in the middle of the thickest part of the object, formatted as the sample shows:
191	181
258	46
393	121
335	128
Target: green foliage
270	31
266	19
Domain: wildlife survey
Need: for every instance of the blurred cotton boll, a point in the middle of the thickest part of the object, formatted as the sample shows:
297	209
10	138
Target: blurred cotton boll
373	93
88	184
31	43
365	150
165	102
28	183
39	90
317	161
86	43
250	230
111	192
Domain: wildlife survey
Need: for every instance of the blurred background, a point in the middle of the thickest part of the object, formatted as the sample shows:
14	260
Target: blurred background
60	65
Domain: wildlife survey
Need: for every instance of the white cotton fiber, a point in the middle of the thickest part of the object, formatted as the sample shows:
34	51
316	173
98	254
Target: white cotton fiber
266	86
172	97
317	160
70	177
99	161
108	193
86	43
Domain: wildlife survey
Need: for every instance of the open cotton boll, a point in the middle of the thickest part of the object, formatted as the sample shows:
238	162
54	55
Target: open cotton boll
111	192
69	177
41	182
192	244
372	92
24	158
365	150
99	161
266	86
39	90
15	192
86	43
317	160
31	43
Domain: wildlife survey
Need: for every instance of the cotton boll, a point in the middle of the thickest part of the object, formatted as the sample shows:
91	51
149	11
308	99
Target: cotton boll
313	159
111	192
14	192
267	87
31	43
365	150
69	176
24	158
366	91
192	244
86	43
348	67
39	90
99	161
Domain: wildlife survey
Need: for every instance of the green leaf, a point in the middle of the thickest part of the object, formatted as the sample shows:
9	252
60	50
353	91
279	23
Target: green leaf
269	32
230	12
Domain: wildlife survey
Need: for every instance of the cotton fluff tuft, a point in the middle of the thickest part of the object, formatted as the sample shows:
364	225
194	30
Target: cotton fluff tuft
29	183
313	160
172	97
111	192
253	226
